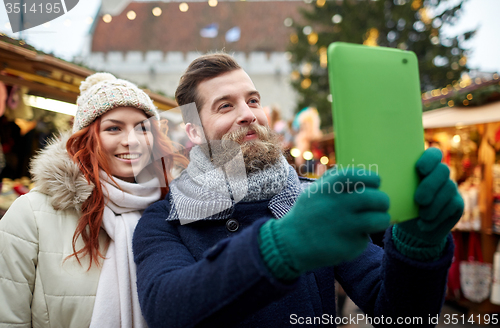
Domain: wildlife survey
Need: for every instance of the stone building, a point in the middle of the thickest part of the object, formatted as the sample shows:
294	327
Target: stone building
152	43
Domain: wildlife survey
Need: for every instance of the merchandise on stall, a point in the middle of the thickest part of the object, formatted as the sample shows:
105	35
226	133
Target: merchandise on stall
495	287
496	199
475	275
471	149
10	190
453	284
469	189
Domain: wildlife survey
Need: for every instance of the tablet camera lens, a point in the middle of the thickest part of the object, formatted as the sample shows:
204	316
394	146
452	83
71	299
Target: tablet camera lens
405	61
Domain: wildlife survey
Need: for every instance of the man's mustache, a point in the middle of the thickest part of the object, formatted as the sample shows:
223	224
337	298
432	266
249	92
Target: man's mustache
240	134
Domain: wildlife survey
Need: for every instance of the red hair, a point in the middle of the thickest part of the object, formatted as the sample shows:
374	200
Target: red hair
84	147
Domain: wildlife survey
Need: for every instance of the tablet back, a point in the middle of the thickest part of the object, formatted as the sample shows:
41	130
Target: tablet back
377	116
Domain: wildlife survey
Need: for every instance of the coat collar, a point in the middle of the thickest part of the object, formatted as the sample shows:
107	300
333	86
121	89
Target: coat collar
56	175
279	204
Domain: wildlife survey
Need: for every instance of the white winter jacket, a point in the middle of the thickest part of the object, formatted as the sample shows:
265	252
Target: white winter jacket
38	286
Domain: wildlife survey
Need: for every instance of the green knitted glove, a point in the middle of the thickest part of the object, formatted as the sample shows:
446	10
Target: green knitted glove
440	208
329	224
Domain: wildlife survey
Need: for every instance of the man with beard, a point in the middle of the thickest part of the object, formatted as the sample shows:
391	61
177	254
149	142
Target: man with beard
242	241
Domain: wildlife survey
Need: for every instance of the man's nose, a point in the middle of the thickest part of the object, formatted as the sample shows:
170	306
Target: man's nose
245	115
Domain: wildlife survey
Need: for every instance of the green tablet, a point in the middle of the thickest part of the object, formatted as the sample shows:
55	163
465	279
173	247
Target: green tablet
377	118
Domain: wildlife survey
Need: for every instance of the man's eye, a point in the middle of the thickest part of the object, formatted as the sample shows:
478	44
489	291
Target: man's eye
254	101
224	106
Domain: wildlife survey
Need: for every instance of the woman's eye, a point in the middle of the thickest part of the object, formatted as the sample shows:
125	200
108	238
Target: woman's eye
112	129
143	128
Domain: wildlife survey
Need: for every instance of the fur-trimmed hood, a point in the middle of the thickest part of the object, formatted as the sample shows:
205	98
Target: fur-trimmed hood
56	175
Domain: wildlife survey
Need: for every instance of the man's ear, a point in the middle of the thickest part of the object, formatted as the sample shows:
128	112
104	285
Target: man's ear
195	133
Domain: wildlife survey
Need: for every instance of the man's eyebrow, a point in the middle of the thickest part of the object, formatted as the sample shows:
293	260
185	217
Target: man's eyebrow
222	98
254	92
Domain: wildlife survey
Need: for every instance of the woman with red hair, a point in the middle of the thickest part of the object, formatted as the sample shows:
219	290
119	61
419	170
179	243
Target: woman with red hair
66	247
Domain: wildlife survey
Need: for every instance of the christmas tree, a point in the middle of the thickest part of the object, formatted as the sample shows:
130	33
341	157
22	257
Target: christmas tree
414	25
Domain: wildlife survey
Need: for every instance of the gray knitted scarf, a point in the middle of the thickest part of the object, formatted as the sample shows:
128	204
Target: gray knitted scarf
204	191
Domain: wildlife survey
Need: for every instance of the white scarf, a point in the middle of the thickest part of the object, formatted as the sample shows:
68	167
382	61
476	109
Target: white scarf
117	303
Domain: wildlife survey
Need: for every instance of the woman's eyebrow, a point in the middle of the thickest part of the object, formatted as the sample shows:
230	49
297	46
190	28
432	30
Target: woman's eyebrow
113	121
121	122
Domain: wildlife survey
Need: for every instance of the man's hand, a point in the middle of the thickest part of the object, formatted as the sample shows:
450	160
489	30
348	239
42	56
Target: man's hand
440	208
329	223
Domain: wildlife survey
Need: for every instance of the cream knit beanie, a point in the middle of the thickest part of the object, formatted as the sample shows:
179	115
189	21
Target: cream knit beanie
102	92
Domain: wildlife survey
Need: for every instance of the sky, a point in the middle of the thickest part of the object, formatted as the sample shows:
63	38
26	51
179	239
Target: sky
66	36
482	15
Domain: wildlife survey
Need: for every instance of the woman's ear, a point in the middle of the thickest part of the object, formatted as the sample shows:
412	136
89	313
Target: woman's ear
195	133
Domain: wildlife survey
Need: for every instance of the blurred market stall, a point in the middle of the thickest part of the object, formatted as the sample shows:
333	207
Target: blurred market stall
38	93
467	131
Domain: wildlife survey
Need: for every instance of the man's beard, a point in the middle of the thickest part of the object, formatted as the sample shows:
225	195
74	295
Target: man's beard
257	153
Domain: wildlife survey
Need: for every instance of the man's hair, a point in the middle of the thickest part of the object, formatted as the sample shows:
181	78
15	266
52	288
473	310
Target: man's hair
202	68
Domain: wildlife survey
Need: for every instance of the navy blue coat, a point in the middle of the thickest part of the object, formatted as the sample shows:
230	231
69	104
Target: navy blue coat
202	275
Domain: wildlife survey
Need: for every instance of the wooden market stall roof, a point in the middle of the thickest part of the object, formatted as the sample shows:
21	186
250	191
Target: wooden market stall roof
48	76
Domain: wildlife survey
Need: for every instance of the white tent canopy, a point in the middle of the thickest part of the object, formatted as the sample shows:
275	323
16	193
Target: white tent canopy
457	116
